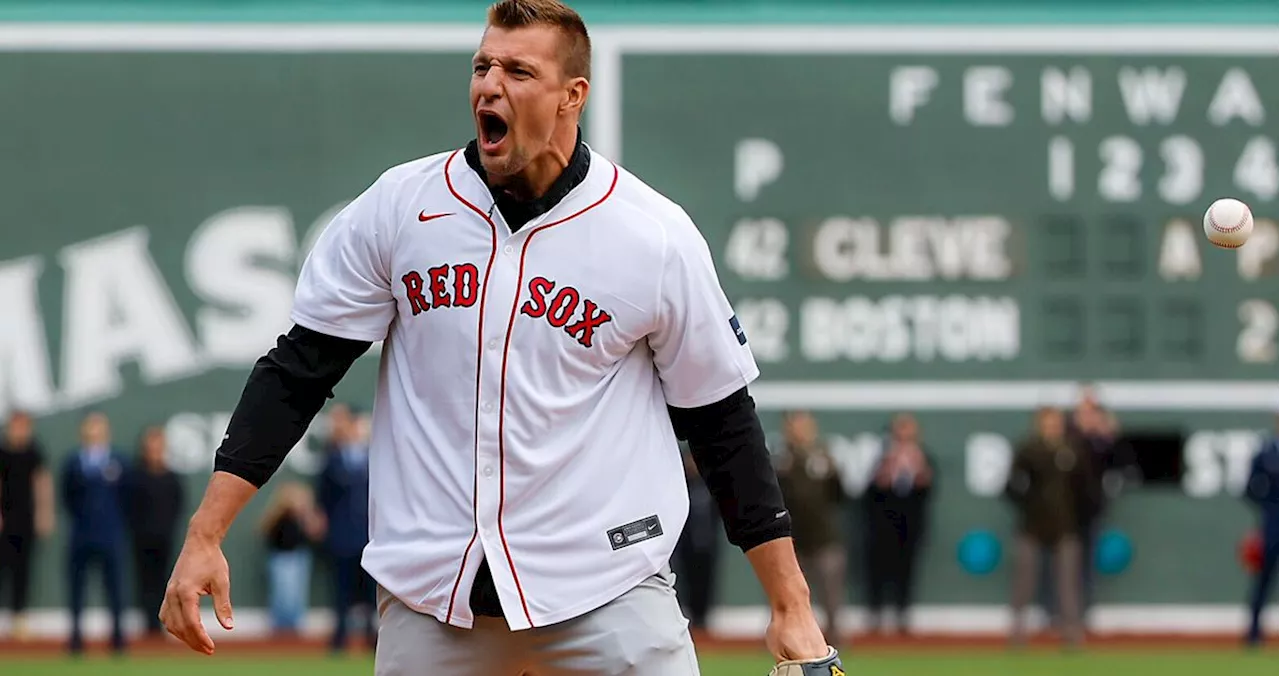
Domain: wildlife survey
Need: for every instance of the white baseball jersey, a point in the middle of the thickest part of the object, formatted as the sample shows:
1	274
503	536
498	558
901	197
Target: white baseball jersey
520	413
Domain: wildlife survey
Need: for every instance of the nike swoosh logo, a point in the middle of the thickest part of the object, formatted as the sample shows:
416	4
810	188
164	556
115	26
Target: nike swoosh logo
424	216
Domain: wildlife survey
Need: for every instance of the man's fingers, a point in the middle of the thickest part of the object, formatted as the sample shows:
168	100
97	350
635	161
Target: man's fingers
192	629
221	591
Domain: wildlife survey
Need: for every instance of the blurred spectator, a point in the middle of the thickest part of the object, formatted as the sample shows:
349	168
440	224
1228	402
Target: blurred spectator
291	524
155	503
1262	490
343	494
896	501
697	554
92	492
1050	487
810	483
1094	430
26	511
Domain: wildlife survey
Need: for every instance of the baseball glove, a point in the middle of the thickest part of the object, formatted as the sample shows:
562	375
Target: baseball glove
827	666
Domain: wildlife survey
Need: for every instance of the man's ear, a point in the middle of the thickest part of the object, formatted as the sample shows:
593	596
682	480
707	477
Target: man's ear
575	98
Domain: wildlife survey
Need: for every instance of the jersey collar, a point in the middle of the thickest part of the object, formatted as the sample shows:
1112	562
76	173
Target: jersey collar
519	212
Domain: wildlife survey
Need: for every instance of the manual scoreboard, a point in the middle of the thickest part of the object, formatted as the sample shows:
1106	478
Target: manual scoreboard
974	216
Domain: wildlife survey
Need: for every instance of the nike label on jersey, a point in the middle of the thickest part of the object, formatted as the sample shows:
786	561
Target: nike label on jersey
423	216
737	330
636	531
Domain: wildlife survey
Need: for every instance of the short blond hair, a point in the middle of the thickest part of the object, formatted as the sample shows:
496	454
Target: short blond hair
576	47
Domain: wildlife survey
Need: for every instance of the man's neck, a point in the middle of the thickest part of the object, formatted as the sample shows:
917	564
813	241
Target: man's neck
541	173
518	211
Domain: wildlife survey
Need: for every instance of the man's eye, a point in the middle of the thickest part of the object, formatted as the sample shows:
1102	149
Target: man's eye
479	69
520	72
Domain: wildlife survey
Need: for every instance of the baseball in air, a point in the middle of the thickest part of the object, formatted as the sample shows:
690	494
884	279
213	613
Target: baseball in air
1228	223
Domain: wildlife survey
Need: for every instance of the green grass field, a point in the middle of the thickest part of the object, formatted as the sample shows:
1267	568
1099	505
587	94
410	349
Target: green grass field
1042	663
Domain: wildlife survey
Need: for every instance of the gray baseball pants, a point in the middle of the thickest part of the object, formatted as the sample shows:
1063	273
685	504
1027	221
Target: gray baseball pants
641	633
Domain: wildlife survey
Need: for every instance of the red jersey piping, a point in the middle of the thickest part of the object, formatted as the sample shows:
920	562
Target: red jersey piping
484	292
502	396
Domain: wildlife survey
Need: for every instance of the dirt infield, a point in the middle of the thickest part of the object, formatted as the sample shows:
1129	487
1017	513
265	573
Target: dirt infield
705	642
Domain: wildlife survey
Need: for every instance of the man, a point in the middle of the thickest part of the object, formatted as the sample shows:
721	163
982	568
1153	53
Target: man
92	493
154	503
551	327
1049	485
26	511
343	494
810	483
1094	430
697	552
1263	490
896	502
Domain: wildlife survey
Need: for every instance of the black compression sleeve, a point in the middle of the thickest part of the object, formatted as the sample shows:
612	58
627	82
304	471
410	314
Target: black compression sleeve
284	392
728	446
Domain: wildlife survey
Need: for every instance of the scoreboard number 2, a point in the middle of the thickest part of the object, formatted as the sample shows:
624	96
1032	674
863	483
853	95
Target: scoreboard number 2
1257	341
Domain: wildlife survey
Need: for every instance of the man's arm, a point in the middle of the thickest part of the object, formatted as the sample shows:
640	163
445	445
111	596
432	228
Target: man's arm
728	445
284	392
701	355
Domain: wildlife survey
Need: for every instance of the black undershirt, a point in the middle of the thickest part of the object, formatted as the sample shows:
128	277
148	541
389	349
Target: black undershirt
288	386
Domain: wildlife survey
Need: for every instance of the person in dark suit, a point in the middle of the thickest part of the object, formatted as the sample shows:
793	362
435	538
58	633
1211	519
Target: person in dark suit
26	511
155	503
92	492
897	500
697	554
1262	490
343	494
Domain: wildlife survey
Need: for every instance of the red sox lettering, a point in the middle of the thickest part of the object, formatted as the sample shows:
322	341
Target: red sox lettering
562	307
434	291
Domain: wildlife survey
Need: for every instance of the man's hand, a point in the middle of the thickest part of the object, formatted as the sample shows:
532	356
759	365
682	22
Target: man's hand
793	631
201	570
794	635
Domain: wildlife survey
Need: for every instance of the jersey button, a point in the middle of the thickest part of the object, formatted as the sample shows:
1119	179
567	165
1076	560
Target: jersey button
508	250
488	470
487	407
493	343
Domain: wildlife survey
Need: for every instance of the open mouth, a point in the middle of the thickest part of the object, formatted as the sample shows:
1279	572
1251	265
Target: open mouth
492	129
